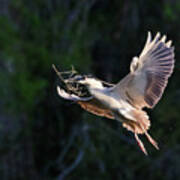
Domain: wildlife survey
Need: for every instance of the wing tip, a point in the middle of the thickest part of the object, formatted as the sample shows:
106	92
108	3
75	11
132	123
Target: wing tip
153	42
149	36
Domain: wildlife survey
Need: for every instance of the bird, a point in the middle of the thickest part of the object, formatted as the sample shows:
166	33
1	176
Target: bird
141	88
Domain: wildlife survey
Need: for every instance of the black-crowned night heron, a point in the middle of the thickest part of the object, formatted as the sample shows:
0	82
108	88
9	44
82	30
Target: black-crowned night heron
142	87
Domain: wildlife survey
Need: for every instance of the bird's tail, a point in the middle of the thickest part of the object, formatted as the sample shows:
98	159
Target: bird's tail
141	123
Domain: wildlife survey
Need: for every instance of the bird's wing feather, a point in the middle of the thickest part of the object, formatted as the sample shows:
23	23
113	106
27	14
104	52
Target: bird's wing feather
149	74
88	103
95	107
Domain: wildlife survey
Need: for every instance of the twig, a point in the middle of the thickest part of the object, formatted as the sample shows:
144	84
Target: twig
71	85
72	72
58	73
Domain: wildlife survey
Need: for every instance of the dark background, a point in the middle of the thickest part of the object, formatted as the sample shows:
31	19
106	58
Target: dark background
45	137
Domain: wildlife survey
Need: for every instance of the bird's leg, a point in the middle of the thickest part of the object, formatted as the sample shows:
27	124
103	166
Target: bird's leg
151	140
133	127
140	144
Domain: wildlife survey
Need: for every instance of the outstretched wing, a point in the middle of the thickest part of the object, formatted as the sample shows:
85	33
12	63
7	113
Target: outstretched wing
149	73
90	104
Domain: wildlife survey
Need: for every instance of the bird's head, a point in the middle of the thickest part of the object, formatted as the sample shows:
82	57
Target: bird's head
88	81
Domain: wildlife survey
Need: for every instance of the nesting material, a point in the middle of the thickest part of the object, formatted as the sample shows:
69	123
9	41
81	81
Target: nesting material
69	83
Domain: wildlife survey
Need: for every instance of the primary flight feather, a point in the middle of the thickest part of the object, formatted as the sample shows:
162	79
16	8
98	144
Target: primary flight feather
142	87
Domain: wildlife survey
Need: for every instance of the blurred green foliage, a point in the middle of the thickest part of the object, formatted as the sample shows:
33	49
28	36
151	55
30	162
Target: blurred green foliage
45	137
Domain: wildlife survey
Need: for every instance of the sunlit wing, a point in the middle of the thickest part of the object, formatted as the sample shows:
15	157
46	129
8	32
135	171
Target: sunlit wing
146	82
90	104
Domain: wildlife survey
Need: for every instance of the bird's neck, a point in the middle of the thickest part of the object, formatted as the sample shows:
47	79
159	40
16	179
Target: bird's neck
95	84
96	89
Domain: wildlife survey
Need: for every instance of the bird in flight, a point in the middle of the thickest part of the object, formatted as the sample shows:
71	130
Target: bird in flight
124	101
